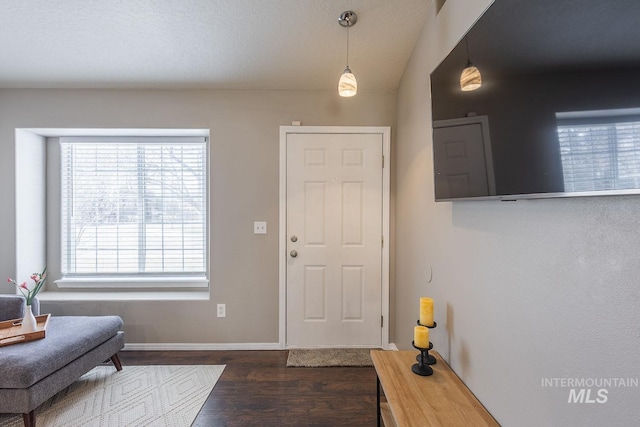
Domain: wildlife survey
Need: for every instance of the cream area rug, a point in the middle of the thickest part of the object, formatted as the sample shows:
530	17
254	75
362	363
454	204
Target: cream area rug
314	358
136	396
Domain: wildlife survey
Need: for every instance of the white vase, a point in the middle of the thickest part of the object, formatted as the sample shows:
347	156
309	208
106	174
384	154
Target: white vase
29	323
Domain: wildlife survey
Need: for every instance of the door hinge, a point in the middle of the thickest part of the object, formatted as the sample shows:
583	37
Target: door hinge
383	162
382	241
381	321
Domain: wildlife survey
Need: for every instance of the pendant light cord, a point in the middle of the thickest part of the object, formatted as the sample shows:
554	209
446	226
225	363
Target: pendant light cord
349	24
466	42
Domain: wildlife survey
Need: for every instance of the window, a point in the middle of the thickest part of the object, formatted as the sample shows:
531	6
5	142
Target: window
133	207
600	153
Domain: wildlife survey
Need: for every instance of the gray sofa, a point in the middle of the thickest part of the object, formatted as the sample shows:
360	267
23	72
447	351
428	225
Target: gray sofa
34	371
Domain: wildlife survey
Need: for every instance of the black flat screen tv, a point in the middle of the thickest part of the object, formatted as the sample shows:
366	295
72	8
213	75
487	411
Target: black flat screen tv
558	110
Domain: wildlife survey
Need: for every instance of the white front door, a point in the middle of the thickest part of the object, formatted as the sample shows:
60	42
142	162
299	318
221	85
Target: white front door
334	230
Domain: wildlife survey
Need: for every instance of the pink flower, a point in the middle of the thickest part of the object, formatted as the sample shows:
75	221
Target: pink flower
30	294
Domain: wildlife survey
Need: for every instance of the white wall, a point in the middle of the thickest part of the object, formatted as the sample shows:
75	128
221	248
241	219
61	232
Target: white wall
244	188
523	290
30	208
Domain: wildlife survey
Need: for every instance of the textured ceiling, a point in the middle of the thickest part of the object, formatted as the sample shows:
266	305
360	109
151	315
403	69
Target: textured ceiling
221	44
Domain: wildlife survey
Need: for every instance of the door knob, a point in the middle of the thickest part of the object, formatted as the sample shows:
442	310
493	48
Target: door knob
293	253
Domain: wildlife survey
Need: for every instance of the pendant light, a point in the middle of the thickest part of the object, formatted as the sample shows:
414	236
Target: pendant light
470	79
347	86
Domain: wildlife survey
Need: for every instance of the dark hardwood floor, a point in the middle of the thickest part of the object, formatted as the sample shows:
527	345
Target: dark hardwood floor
257	389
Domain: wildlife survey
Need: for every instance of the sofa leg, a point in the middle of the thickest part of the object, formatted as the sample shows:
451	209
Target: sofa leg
29	419
116	362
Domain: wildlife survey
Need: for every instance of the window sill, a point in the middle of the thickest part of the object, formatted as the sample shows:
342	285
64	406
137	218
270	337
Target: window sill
125	296
126	283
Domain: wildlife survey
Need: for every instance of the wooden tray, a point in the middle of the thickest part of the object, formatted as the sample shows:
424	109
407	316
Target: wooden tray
10	330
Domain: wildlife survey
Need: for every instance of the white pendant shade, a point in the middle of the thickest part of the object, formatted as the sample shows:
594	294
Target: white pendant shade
470	79
347	86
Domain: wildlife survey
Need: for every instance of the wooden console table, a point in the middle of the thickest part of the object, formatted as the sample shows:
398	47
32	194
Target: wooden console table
410	400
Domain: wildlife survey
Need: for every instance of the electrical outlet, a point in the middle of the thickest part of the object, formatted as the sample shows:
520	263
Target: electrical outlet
260	227
222	310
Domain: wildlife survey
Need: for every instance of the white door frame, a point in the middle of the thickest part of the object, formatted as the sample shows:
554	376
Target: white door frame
385	131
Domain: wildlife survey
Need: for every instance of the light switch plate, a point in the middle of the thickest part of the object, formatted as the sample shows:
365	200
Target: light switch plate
260	227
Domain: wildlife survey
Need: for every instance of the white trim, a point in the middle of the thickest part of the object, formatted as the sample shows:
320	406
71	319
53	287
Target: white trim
385	131
386	212
212	346
61	132
132	282
199	346
124	296
290	347
282	240
126	139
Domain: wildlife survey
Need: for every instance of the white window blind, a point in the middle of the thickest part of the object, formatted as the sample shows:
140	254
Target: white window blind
133	206
600	154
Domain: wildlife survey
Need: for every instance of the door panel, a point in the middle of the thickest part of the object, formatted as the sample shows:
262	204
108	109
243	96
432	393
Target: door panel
334	210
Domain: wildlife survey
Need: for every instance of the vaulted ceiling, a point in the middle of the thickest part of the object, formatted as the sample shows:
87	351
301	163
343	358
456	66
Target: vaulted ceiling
219	44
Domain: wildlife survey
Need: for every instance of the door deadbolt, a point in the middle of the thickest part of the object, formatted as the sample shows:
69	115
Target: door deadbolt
293	253
294	238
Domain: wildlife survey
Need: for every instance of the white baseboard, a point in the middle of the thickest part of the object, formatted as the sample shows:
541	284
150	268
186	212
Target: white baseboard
210	346
200	346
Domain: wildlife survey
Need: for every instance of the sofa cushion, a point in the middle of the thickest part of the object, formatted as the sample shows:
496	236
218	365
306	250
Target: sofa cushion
67	338
12	307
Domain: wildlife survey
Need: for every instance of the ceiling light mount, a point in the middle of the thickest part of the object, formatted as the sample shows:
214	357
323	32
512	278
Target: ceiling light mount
347	86
348	18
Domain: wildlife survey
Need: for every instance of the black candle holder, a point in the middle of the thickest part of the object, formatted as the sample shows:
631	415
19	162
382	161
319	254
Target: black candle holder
422	368
430	360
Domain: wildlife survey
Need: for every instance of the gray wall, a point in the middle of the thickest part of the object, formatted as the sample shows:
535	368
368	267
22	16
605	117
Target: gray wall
244	188
523	290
